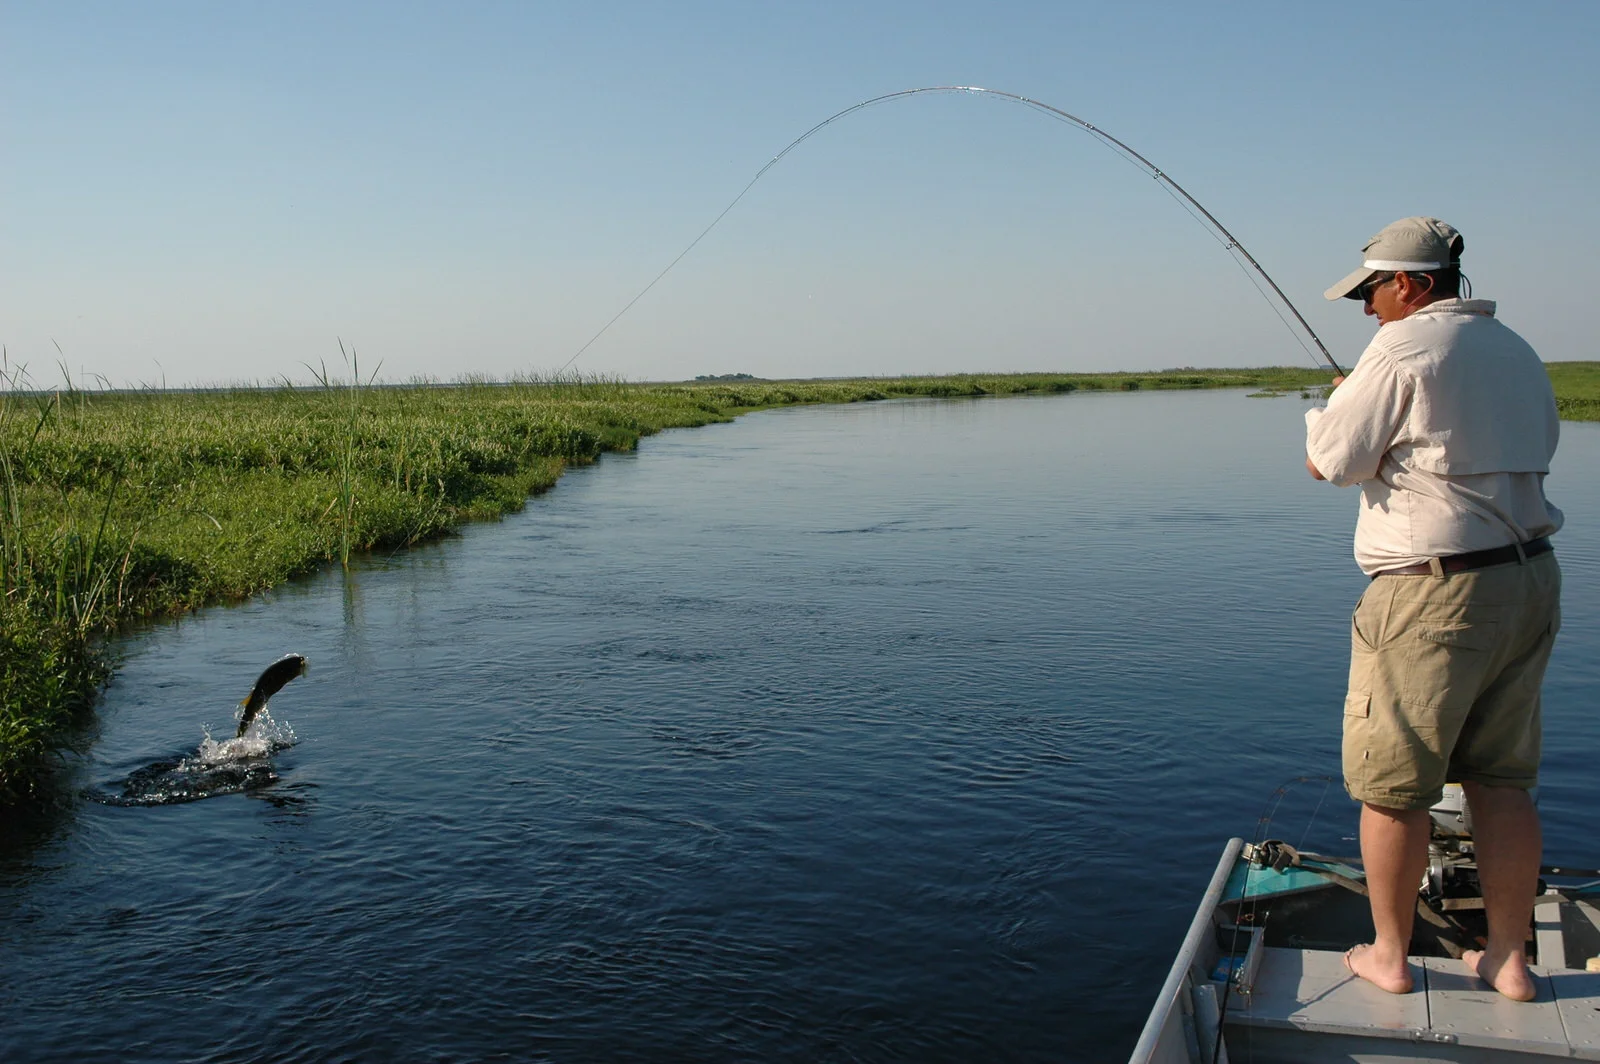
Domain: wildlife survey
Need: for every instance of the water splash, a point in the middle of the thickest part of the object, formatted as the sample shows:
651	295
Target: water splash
216	767
262	737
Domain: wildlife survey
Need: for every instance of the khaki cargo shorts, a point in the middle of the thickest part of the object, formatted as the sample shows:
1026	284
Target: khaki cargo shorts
1445	674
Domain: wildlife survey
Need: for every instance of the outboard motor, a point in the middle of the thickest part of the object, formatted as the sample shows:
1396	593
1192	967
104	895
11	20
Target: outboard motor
1452	878
1452	820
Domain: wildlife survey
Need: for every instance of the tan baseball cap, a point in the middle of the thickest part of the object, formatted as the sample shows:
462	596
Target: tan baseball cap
1409	245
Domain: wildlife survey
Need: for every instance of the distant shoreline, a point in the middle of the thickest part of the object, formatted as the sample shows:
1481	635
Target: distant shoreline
1576	383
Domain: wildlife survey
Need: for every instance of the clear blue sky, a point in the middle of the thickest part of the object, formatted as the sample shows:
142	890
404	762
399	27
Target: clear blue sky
205	192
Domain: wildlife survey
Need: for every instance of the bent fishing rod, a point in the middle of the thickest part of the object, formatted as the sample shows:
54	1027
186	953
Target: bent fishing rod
1230	242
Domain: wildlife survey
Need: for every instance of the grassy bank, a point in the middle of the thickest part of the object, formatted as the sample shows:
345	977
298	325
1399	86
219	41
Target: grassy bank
1577	387
116	507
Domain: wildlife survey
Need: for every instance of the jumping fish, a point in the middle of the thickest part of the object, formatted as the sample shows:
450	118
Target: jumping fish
270	683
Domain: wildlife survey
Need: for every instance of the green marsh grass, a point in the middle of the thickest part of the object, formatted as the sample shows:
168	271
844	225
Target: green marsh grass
53	583
122	506
1577	387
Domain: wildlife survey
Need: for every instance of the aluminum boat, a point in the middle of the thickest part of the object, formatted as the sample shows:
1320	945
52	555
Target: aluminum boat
1261	977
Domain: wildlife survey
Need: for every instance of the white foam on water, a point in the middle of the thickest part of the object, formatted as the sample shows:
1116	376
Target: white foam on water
262	737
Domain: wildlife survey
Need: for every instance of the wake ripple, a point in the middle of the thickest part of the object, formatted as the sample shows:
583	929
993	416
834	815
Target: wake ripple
216	767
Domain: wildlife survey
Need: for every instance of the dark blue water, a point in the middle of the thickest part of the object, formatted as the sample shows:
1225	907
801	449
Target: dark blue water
898	731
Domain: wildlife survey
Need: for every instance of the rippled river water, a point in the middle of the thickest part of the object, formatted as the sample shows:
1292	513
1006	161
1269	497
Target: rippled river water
895	731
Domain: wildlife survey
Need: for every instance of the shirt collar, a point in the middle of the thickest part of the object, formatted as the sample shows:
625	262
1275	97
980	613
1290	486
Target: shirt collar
1455	305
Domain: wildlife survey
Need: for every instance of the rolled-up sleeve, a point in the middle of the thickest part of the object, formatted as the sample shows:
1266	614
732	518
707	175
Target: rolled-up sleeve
1364	417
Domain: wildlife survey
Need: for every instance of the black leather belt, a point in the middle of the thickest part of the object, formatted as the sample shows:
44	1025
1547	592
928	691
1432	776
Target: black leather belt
1478	559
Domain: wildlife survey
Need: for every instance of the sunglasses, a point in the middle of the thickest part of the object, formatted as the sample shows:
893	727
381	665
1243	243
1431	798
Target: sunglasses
1366	291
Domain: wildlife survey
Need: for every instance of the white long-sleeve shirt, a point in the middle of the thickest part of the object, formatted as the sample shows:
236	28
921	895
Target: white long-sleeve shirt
1448	422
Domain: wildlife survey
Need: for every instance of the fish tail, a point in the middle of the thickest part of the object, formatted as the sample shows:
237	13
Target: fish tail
252	704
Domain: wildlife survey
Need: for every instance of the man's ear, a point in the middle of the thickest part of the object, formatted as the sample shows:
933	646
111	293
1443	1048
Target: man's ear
1410	288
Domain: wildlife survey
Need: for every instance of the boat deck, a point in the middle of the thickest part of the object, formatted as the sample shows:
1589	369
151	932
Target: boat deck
1308	1007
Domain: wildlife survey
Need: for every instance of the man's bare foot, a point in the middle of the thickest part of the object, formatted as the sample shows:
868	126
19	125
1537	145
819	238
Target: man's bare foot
1510	976
1362	965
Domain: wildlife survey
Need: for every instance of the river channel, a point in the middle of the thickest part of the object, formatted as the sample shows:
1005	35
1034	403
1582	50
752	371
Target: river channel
891	731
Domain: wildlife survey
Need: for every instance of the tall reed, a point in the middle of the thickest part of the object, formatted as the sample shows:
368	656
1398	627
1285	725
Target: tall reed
345	500
11	542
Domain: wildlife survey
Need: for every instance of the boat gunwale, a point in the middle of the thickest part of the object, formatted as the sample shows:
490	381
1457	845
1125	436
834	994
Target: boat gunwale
1200	929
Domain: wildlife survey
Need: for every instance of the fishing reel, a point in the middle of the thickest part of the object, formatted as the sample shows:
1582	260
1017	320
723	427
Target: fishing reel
1273	853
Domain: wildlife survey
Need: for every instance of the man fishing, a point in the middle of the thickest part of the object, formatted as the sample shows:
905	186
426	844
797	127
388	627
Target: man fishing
1448	423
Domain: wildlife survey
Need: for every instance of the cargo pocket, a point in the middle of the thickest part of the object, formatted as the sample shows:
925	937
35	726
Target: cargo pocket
1356	745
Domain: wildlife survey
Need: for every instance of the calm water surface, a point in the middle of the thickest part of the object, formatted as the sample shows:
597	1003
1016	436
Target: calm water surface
897	731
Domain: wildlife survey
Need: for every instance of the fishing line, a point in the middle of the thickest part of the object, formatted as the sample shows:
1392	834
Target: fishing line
1251	902
1327	781
1255	282
1230	243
